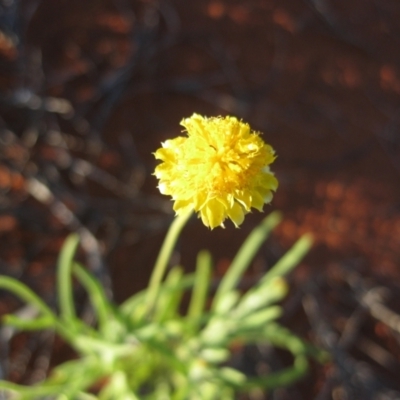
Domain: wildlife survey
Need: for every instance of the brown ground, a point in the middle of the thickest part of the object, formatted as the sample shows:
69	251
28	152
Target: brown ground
90	88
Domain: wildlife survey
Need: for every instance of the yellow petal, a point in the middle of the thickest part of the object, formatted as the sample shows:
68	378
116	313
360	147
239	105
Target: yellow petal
212	214
257	201
244	198
236	214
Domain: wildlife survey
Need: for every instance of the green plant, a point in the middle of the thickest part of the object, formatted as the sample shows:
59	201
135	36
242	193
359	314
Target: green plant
146	348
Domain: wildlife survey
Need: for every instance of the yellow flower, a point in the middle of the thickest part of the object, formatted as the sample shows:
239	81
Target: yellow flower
220	170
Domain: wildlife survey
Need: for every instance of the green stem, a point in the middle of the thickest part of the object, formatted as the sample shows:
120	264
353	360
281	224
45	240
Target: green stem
163	258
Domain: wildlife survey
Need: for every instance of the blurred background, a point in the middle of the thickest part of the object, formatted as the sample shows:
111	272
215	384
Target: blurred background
90	88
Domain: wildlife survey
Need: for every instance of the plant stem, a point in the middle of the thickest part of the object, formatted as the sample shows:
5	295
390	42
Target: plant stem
163	258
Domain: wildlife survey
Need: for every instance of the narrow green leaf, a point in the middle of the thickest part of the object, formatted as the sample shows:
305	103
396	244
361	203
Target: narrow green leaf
64	278
281	337
201	285
23	324
26	294
290	260
24	391
281	378
217	332
214	355
261	296
167	305
232	376
227	302
245	255
98	298
284	338
259	319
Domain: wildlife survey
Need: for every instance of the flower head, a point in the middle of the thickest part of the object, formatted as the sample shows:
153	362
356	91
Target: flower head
220	170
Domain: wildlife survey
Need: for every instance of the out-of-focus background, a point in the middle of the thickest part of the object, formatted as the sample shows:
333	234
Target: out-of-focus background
90	88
